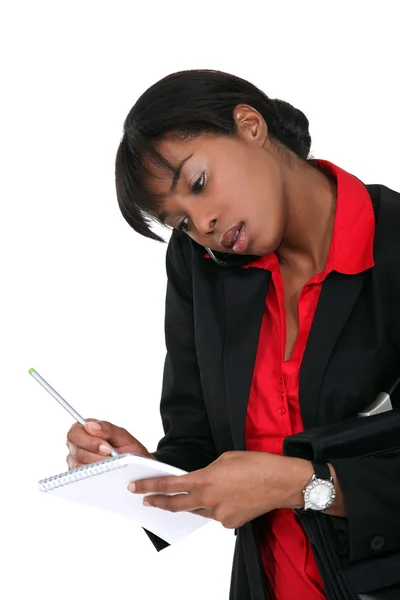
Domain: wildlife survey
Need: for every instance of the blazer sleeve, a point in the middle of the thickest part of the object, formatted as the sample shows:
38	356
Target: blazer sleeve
188	442
371	491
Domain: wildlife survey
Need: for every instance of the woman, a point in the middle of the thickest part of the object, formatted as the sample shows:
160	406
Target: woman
251	360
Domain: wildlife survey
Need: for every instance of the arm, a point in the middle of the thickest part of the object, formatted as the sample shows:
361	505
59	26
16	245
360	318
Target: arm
188	443
364	457
371	492
370	486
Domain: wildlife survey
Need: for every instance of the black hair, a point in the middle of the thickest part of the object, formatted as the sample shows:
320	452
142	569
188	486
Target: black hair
188	104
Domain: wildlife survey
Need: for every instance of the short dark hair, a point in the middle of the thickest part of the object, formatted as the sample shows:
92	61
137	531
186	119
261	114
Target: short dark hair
190	103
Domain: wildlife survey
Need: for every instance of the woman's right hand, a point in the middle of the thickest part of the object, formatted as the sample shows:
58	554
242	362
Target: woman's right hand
92	442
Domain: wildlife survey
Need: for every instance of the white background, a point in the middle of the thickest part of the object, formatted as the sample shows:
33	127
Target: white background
82	295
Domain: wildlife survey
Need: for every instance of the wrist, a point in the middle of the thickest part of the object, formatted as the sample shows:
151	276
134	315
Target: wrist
302	473
300	476
337	509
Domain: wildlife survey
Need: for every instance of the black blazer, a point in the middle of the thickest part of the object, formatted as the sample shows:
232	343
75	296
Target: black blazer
212	324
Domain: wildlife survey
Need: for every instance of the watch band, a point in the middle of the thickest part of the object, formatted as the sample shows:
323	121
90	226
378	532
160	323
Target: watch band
321	471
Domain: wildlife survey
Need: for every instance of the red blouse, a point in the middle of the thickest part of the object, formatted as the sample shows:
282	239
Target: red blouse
273	407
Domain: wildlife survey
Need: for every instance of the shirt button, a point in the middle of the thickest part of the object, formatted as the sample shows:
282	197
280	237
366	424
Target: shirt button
282	410
377	542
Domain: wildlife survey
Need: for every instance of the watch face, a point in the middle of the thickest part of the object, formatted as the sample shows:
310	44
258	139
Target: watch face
321	495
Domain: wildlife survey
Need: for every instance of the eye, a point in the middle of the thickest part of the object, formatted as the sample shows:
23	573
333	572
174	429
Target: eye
183	225
199	184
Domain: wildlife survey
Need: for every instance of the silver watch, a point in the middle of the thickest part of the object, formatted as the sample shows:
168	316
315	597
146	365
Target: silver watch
320	492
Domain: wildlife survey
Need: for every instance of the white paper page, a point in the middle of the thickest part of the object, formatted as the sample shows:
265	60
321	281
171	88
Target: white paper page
108	491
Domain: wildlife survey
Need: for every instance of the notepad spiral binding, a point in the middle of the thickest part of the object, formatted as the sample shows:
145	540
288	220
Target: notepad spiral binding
108	464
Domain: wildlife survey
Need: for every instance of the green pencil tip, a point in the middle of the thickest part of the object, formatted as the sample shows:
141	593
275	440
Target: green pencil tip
31	371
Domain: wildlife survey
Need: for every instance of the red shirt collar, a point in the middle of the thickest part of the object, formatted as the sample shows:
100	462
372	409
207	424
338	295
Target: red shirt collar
351	249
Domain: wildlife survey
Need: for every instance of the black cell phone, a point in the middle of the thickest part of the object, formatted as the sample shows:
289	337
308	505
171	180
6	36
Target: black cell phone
225	259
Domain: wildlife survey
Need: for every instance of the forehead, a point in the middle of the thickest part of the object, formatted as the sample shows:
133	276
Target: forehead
175	148
157	176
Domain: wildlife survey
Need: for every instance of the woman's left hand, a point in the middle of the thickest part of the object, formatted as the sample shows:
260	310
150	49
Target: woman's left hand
234	489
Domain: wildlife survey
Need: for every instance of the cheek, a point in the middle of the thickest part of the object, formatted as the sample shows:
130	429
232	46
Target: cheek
268	222
267	217
268	201
263	182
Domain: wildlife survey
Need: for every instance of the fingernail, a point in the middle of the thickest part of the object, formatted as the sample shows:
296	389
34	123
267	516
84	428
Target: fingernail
104	449
94	425
146	503
131	487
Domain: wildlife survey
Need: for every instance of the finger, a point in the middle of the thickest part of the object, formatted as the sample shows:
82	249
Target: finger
116	436
71	448
203	512
85	457
163	485
71	462
78	437
104	450
178	503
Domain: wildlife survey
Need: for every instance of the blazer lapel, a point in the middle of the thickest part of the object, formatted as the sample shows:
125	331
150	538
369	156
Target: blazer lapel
245	293
339	293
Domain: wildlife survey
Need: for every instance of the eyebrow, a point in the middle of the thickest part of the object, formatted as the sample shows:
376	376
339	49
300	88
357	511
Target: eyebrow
163	216
175	180
177	173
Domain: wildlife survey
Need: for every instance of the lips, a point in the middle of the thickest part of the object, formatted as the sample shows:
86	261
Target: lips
228	239
242	241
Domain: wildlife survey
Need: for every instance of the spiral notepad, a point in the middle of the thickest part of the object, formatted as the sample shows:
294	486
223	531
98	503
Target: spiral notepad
104	484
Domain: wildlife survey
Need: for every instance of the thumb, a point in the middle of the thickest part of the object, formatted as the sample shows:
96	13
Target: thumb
96	428
118	437
101	429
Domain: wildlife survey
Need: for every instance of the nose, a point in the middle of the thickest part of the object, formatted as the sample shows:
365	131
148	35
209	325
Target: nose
205	226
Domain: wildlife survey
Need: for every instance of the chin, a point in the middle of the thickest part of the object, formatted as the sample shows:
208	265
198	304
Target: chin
268	246
261	251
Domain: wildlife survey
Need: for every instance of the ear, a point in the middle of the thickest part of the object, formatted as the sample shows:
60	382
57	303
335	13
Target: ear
250	125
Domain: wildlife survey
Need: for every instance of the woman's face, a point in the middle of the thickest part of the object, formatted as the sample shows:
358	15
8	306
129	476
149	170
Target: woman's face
225	186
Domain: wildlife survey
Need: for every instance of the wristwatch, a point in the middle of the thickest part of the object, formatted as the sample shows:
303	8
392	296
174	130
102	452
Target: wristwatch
320	492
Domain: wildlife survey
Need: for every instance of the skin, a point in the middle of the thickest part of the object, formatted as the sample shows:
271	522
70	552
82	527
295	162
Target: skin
288	207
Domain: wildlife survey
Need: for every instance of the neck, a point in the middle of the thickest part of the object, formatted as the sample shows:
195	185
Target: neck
310	199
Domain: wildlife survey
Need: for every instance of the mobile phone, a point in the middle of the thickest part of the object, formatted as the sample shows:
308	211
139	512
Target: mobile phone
226	259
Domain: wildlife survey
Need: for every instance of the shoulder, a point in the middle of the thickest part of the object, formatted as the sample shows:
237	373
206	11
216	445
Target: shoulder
184	259
387	202
387	232
187	264
180	252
